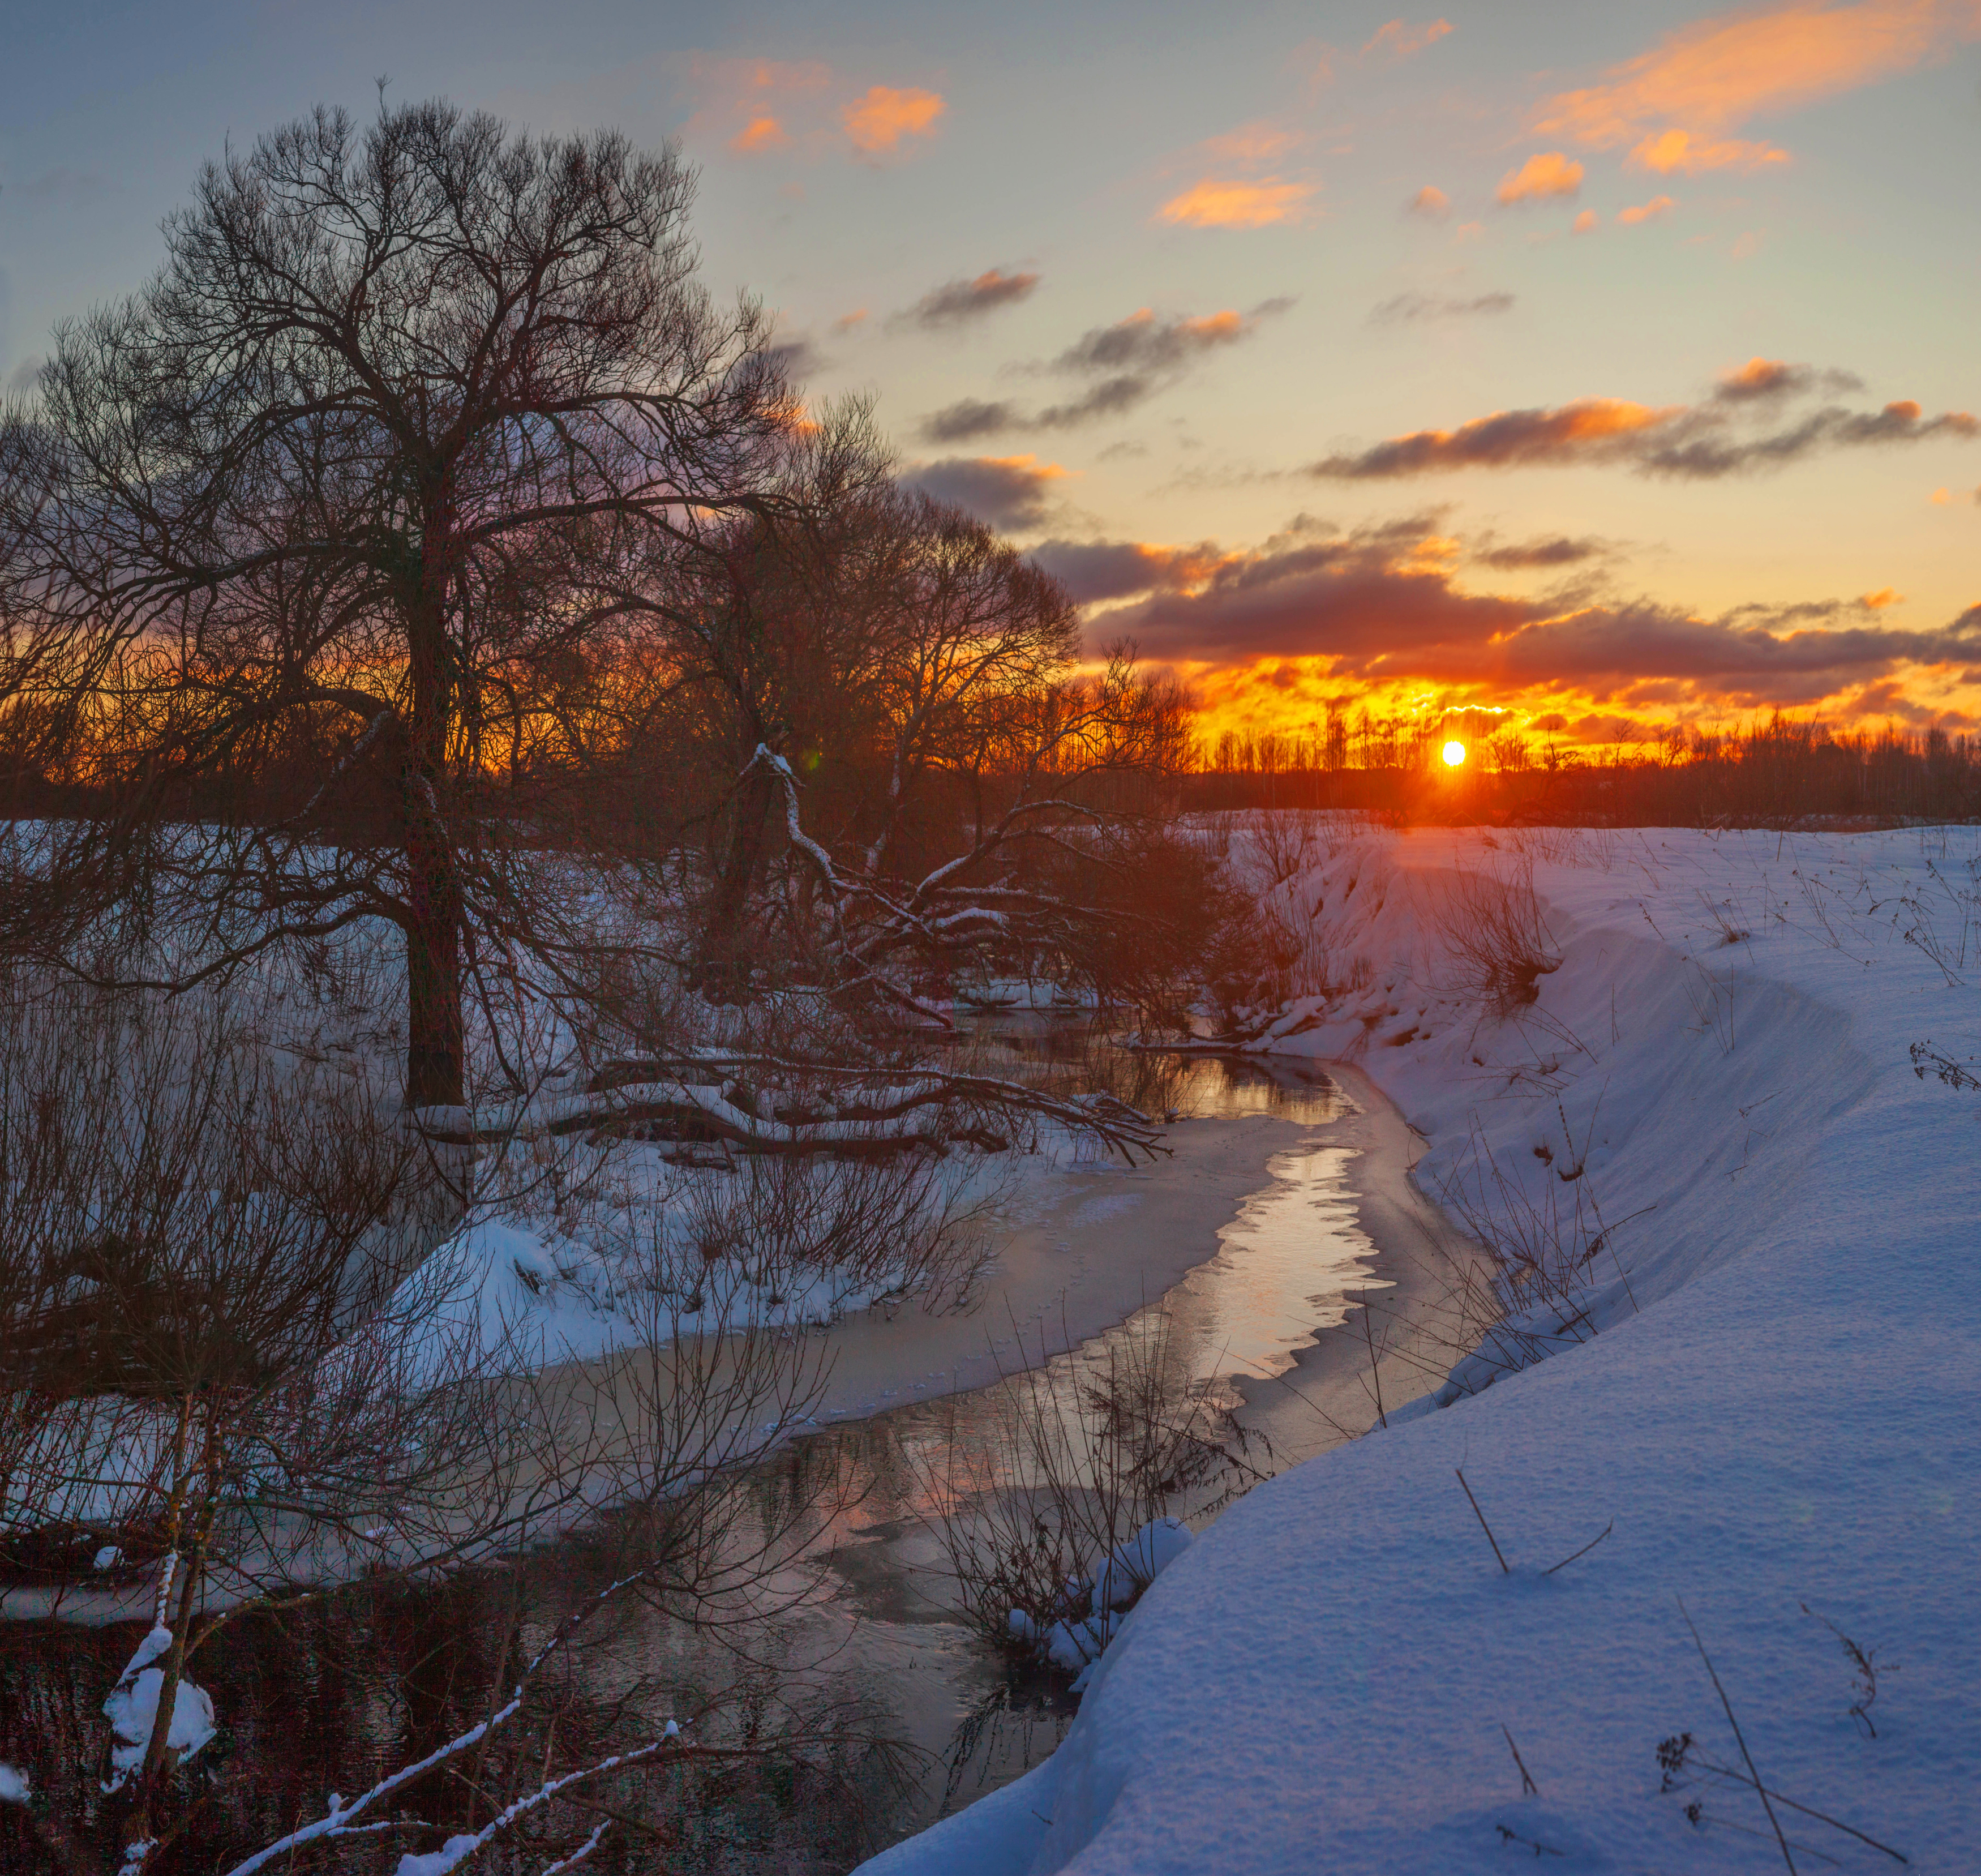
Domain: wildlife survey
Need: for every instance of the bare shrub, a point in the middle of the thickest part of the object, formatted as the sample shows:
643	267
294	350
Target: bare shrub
1287	841
1081	1454
851	1228
1543	1248
1495	941
228	1377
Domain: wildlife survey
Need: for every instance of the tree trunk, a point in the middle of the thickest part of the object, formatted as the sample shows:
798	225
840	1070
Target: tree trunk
725	945
435	1045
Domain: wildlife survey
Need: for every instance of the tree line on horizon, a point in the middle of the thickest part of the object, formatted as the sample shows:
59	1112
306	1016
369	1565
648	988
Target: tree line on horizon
1776	770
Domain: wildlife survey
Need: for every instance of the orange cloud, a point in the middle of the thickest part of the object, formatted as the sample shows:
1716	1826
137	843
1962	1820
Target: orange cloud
1585	223
1431	201
1507	438
1381	607
1250	143
1678	151
1645	211
1757	378
1550	173
1885	596
878	122
1673	104
753	105
762	132
1396	41
1694	442
1217	203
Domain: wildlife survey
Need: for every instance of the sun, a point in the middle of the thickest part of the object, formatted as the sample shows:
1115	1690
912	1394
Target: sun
1454	754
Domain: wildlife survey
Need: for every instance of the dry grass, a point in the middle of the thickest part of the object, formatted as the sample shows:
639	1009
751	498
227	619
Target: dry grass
1078	1454
1495	939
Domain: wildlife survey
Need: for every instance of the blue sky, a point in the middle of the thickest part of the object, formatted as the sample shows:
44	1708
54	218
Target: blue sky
1210	211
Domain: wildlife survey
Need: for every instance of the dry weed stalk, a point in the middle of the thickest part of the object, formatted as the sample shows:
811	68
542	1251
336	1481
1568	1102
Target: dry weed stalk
1496	939
1083	1452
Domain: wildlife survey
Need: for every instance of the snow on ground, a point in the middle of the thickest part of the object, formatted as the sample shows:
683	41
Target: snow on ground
1767	1391
664	1250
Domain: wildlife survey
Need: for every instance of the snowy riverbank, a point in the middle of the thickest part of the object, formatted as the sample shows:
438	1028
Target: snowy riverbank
1765	1382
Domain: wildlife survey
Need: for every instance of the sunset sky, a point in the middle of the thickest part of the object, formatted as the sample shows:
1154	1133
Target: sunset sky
1611	364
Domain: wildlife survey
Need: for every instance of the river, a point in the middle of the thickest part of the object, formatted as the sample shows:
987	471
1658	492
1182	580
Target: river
866	1646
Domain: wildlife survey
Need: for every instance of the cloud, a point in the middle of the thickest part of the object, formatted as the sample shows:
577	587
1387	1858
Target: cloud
878	122
1600	426
1006	492
750	103
1092	571
1250	143
1559	550
761	107
969	419
1127	363
1675	107
1405	307
847	321
1395	40
796	358
1112	397
956	302
1379	607
1678	152
1234	202
1645	211
1144	342
1695	442
1548	174
762	132
1775	378
1586	223
1431	202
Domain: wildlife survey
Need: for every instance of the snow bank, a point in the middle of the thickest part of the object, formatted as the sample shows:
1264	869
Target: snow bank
1766	1388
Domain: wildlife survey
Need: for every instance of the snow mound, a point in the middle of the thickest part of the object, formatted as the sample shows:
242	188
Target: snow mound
1132	1566
131	1707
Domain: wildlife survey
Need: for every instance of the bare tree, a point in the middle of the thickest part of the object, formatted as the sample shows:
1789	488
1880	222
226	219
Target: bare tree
354	491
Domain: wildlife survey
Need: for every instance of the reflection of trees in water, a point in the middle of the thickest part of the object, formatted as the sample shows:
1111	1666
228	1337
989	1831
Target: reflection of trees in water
329	1696
1012	1728
1065	1059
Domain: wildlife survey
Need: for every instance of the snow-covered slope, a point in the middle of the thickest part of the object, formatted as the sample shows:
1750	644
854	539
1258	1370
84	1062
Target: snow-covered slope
1754	1360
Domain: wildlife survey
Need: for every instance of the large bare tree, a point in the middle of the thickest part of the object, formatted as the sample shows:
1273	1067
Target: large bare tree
351	492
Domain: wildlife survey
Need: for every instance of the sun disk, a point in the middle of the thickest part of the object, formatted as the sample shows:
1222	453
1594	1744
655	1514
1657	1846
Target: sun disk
1454	754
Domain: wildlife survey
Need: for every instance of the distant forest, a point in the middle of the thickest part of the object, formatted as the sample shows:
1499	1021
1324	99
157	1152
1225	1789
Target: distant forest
1779	772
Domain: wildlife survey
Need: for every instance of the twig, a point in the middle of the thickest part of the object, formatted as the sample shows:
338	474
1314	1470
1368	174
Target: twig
1482	1525
1584	1551
1807	1810
1528	1788
1739	1738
